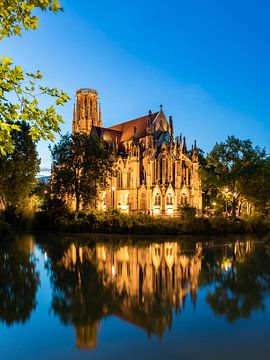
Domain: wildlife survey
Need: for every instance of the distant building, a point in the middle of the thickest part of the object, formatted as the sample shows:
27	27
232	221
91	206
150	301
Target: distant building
155	173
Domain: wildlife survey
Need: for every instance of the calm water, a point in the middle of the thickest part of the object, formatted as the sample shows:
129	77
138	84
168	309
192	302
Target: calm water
72	298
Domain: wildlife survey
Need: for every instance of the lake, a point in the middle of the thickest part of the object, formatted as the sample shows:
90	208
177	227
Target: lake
119	297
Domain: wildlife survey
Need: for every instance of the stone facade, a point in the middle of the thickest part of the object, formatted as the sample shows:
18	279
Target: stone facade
155	173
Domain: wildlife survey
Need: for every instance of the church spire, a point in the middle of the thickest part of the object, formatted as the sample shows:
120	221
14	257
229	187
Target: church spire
99	115
184	146
171	127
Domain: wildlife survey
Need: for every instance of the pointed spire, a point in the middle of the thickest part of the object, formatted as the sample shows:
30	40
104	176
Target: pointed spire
149	120
161	107
135	135
99	115
180	143
171	127
184	146
195	157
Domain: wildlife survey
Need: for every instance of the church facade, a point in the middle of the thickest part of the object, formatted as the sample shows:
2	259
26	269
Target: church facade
154	172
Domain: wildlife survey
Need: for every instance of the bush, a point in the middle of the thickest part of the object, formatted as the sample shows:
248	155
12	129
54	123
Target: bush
187	213
114	222
6	231
16	217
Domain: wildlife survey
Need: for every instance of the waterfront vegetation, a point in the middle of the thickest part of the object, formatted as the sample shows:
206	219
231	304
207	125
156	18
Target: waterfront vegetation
114	222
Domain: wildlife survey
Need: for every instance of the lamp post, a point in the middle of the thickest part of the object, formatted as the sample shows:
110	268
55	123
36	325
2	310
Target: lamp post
45	199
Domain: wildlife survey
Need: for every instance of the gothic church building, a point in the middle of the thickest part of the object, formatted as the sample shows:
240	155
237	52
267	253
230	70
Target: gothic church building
155	173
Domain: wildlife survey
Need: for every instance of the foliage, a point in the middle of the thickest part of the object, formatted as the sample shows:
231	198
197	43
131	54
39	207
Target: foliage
19	168
81	165
6	231
54	215
20	91
115	222
41	191
232	170
258	191
186	212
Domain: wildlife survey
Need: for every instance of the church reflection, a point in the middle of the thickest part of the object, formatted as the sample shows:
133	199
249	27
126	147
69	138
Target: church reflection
143	285
140	285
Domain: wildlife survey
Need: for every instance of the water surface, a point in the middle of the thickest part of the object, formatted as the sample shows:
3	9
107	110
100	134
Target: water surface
75	298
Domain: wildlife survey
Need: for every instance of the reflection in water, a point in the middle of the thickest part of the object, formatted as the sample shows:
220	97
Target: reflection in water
18	281
139	285
145	286
241	280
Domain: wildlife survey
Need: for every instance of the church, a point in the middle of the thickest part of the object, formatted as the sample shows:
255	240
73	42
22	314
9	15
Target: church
154	173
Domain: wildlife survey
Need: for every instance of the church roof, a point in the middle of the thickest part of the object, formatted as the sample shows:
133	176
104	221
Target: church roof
127	128
107	134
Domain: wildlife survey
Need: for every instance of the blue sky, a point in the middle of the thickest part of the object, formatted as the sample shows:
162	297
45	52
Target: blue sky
206	61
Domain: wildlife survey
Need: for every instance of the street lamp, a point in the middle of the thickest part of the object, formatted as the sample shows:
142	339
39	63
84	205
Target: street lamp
45	199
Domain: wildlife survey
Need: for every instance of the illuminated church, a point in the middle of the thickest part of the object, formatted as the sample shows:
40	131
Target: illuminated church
155	172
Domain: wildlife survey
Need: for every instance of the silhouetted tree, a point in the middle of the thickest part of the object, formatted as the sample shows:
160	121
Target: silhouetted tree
81	165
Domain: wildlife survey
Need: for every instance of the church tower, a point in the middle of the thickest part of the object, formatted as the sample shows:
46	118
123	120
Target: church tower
87	112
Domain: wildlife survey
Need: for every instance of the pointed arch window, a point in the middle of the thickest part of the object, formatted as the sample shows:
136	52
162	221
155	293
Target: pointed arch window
169	199
157	200
128	179
183	199
118	179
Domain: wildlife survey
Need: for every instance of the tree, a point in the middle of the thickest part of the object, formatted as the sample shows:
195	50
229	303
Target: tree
19	168
231	170
258	191
20	91
81	165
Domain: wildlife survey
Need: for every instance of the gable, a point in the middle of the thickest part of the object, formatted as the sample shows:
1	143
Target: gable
161	123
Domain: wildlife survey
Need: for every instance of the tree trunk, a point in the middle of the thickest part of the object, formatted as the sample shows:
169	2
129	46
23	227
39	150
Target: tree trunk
77	209
234	208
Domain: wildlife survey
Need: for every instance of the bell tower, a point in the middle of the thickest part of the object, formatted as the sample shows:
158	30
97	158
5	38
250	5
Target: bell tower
87	111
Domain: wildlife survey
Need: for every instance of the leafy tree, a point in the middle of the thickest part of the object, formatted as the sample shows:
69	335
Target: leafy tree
20	91
258	191
231	170
81	167
19	168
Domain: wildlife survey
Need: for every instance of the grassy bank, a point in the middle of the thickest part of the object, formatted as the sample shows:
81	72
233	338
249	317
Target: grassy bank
114	222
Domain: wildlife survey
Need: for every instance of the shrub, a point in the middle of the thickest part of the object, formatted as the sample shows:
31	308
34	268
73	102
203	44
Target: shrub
6	231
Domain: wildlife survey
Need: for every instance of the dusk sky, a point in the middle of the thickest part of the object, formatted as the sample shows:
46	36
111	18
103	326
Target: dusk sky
206	61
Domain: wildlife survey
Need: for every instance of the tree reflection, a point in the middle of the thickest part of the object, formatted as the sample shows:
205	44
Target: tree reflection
241	280
18	281
79	297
